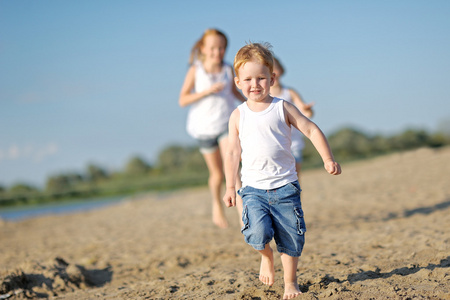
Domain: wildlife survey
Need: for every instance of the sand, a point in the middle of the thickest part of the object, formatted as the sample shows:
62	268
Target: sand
378	231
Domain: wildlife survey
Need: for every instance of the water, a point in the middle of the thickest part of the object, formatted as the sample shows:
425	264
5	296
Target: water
27	212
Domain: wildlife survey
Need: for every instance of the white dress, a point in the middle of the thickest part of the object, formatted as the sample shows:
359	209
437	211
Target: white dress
208	117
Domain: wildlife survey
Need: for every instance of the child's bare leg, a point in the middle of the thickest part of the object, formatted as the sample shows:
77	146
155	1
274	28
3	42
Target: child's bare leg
267	269
214	163
291	289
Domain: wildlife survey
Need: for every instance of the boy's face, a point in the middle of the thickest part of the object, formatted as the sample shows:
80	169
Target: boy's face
254	80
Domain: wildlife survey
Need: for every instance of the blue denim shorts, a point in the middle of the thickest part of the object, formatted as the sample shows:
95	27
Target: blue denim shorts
277	214
209	145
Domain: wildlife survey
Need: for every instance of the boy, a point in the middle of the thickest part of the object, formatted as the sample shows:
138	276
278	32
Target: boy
260	131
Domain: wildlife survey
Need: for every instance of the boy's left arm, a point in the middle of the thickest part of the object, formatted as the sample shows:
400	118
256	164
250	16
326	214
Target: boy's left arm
295	118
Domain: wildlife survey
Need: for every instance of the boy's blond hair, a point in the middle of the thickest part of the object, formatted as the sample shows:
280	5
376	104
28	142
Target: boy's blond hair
261	53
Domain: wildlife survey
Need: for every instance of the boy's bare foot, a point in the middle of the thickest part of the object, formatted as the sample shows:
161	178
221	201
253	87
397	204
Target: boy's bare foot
219	217
291	290
267	270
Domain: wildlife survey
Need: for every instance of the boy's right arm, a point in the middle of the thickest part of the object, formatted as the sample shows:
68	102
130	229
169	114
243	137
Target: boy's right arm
232	159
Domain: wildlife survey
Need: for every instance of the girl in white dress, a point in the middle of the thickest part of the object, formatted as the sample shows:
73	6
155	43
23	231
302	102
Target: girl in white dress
210	92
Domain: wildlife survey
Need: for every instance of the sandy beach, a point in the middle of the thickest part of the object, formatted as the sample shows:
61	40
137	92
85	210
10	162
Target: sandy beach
378	231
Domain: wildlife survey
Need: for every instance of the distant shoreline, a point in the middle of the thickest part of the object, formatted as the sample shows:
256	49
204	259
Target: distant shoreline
20	213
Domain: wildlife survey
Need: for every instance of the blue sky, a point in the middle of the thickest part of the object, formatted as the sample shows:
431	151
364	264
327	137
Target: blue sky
98	81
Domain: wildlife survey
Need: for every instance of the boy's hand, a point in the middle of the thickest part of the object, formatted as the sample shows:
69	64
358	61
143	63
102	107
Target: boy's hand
332	167
230	197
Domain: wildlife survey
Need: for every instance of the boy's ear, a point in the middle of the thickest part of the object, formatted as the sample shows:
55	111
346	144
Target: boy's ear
272	79
237	82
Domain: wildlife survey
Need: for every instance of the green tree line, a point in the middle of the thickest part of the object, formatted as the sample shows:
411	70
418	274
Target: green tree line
182	166
351	144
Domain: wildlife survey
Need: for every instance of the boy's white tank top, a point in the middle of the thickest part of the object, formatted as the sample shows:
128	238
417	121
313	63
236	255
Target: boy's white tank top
208	117
297	136
267	161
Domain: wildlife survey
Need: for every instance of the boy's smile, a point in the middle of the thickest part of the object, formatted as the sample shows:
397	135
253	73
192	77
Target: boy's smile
254	80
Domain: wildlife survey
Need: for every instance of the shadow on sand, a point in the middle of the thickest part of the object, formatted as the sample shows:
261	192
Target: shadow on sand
53	280
368	275
405	271
426	210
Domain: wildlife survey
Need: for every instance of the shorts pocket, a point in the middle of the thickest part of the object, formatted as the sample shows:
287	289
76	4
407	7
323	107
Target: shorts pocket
240	191
301	226
244	219
295	186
